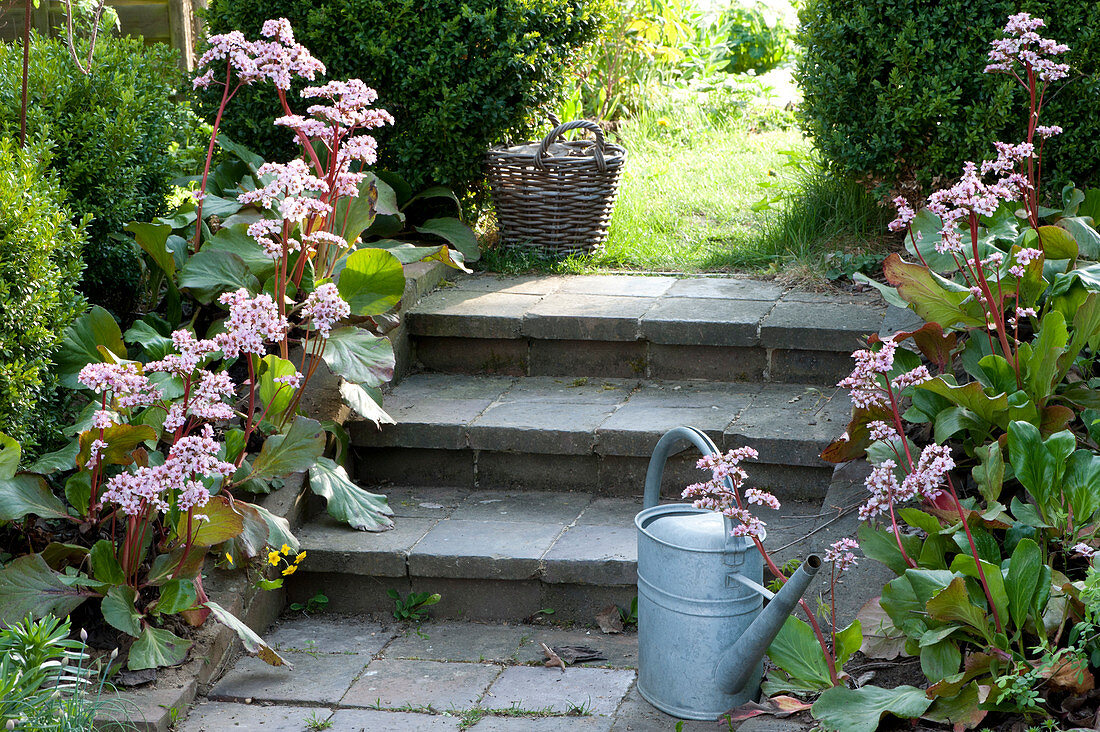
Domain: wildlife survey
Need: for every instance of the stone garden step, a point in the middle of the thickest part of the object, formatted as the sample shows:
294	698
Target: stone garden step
592	434
501	555
713	328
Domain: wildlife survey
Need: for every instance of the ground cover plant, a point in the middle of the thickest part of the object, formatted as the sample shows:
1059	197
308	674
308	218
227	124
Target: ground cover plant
259	276
985	463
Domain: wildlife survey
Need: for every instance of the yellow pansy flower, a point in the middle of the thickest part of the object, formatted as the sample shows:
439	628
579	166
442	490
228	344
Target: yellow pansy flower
298	559
291	569
273	558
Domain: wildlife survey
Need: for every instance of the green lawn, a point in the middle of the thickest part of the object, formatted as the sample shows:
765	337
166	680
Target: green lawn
687	206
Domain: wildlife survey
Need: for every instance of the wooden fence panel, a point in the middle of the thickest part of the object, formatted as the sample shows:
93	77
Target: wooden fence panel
157	21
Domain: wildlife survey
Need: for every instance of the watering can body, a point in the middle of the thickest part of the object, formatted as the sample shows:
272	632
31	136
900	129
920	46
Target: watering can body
702	632
691	606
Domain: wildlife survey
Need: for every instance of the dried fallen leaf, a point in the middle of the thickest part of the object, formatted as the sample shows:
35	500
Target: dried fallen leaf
553	660
880	638
1072	676
610	620
777	706
578	654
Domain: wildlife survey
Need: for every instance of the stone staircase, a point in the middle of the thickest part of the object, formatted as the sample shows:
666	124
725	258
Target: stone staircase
526	416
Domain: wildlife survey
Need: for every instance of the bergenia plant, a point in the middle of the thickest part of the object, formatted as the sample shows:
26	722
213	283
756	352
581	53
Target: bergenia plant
198	410
984	487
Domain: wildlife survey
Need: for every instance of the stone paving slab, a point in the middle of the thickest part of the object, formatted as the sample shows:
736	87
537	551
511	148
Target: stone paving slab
726	288
586	317
483	549
521	285
622	285
333	547
620	649
603	555
360	720
704	321
321	634
819	326
392	683
220	716
595	690
525	506
471	314
461	641
419	502
317	678
541	416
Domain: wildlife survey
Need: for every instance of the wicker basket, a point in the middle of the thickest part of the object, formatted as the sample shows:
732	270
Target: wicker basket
556	197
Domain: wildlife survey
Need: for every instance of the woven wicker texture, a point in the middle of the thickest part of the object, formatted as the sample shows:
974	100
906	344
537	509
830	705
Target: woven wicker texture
556	197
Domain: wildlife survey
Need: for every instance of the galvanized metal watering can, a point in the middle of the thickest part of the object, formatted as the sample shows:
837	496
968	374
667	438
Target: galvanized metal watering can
701	631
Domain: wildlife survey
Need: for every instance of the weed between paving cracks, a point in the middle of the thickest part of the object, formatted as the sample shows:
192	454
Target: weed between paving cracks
315	723
470	717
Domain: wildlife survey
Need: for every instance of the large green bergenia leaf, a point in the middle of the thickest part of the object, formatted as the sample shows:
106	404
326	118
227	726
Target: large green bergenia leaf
1039	464
1042	369
119	611
81	342
121	439
346	501
372	281
28	585
252	643
969	395
359	356
153	239
952	605
223	522
355	215
930	296
157	648
275	396
1023	569
27	494
363	403
295	449
236	241
208	274
861	710
796	651
454	232
1081	484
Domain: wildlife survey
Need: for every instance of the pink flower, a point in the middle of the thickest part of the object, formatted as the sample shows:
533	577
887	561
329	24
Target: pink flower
324	307
191	353
207	395
880	430
840	552
929	474
1045	131
264	232
723	466
1023	45
761	498
290	180
749	525
906	214
919	375
883	486
1084	550
129	387
291	380
94	451
863	384
1028	255
252	322
102	419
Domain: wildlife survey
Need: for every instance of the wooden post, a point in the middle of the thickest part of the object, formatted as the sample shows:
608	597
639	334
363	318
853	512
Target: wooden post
181	31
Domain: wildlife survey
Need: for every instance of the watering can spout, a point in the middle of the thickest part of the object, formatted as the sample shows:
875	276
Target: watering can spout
738	663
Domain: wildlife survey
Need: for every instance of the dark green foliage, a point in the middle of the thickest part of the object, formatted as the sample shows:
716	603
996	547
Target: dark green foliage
457	76
110	132
894	89
39	269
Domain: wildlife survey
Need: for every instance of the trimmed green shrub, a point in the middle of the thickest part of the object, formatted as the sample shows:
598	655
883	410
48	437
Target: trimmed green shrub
110	131
457	75
39	269
895	94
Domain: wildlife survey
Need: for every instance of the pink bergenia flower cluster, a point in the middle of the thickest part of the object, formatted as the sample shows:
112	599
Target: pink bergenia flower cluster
926	480
721	496
191	460
124	381
1084	550
252	322
840	553
324	307
1022	44
866	384
906	214
278	59
290	186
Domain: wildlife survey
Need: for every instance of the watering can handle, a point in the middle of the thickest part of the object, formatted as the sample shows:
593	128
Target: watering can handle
661	453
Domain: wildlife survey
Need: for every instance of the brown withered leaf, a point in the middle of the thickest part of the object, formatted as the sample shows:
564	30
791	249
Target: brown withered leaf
553	660
1071	676
610	620
880	638
776	706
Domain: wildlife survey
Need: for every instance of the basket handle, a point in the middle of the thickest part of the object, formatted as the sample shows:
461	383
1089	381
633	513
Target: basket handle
575	125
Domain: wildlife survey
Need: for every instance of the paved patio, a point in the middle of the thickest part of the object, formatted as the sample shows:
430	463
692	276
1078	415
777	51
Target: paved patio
354	674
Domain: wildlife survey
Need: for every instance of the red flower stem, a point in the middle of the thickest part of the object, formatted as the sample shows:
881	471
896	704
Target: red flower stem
897	536
974	551
995	313
226	96
251	409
